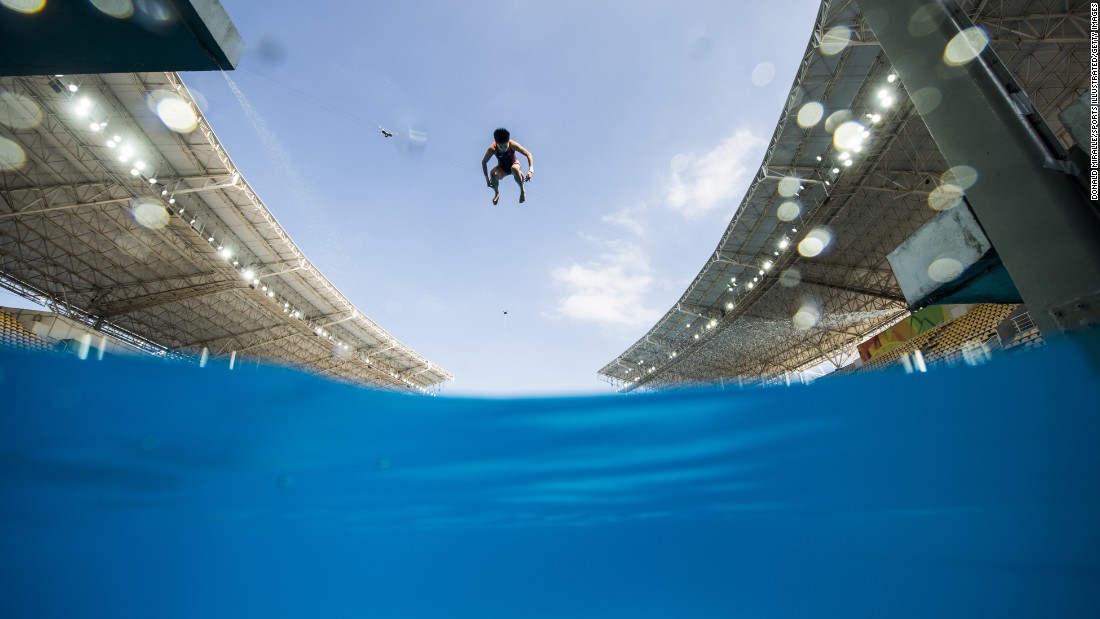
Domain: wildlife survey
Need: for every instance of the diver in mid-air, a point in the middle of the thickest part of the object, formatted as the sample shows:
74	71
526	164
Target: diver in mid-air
505	149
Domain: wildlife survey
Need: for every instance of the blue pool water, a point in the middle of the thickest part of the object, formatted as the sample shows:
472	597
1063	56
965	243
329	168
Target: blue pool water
134	488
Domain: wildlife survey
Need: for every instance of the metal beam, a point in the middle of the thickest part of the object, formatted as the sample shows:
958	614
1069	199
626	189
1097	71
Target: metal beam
126	306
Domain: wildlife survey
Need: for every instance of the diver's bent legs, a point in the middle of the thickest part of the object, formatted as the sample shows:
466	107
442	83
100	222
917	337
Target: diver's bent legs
494	182
518	175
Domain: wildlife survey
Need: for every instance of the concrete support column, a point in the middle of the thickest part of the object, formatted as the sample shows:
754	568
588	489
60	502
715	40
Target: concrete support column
1039	219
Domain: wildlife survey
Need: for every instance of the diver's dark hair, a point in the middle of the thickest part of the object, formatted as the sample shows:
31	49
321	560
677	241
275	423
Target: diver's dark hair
501	135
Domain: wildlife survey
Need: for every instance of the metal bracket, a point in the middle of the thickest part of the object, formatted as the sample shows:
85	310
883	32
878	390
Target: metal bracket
1078	315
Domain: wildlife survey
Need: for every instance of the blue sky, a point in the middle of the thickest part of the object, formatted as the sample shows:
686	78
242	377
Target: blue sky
647	122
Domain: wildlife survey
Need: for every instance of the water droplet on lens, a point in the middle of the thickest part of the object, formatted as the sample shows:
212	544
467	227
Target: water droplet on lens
763	74
788	211
965	46
835	40
944	269
810	114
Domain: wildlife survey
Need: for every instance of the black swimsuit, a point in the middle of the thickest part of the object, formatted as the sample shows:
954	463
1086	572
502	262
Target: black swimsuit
505	159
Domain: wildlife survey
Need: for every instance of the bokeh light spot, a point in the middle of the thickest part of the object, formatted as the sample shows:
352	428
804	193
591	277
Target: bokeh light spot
925	20
807	316
19	112
679	162
155	10
836	119
944	197
849	135
789	186
175	112
810	114
815	242
965	46
835	40
788	211
150	214
944	269
926	99
763	74
119	9
12	156
962	176
790	278
24	6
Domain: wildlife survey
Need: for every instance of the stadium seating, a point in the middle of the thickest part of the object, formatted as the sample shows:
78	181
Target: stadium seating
13	335
965	339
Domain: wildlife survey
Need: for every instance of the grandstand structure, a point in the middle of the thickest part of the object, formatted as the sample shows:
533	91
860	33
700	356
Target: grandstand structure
120	210
800	275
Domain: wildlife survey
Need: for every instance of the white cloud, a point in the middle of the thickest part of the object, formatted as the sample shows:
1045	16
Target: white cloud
609	290
629	218
720	175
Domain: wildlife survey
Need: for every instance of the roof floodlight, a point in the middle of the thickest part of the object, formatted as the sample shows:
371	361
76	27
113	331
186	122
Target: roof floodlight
73	88
134	171
892	78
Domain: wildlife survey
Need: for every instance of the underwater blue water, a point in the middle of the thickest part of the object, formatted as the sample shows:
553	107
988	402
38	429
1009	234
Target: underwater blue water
137	488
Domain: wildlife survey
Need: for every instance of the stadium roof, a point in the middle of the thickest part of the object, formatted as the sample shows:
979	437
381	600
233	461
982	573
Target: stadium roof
800	275
120	208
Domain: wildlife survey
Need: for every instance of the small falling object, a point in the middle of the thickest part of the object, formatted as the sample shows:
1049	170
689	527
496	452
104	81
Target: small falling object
388	134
